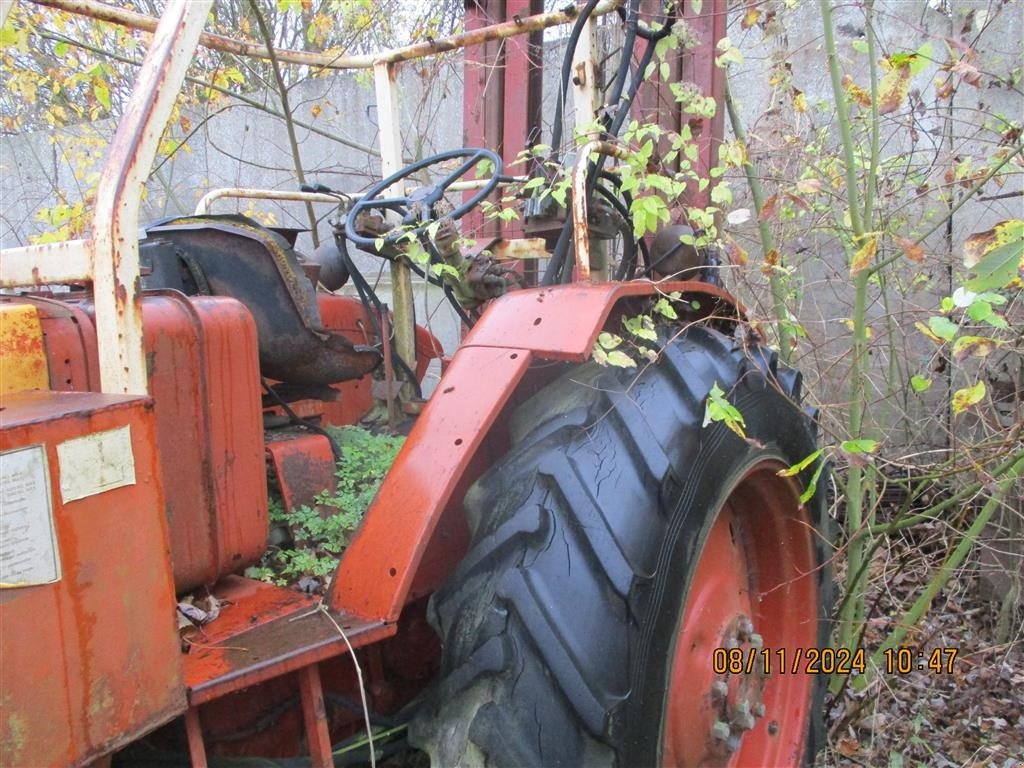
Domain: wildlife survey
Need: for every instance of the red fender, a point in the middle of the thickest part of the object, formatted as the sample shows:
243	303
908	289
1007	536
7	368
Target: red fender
381	570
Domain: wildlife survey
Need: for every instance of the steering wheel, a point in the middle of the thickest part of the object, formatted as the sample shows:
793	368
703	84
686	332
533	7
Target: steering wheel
416	209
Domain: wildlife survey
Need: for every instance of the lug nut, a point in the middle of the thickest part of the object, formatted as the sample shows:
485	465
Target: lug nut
744	628
721	731
720	689
755	640
758	709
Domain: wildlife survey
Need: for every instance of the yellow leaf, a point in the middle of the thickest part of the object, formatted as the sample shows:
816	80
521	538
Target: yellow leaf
751	17
316	110
733	153
980	243
799	101
893	89
968	396
858	94
862	258
979	346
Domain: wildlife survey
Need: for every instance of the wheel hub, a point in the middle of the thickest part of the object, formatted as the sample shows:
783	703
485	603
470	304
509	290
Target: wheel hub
748	599
736	696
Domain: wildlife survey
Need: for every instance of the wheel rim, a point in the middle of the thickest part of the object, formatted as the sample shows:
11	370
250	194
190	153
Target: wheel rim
754	589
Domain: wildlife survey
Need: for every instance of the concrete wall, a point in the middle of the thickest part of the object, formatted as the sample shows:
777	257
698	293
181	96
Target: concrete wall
934	136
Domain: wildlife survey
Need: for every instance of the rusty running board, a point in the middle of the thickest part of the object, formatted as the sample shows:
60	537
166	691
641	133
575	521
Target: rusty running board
265	632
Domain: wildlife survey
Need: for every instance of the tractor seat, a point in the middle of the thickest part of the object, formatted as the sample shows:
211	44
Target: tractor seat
232	255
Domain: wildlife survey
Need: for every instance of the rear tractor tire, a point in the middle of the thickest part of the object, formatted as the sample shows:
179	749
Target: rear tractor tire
616	546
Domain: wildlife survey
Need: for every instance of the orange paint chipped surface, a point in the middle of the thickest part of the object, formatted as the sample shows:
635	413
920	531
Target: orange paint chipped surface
22	355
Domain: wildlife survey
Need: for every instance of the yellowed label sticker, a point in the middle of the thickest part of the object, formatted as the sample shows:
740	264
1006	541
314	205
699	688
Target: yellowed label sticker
96	463
28	541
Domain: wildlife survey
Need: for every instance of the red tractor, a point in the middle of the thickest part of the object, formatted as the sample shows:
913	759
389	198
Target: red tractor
568	563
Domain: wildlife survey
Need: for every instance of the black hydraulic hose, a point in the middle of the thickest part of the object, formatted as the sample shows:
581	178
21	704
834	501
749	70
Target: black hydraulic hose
301	422
653	35
623	111
553	273
366	293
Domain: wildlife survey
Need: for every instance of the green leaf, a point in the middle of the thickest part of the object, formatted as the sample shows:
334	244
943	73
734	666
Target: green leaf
664	308
609	340
997	321
860	446
922	57
920	383
14	36
102	94
800	466
445	270
718	409
943	327
979	310
998	268
621	359
60	49
812	484
641	326
721	194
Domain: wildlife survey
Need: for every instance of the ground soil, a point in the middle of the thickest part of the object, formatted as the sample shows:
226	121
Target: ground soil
971	715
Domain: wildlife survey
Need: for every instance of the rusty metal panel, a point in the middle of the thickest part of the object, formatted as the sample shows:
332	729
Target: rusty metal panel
70	341
90	661
305	466
377	570
203	373
264	632
22	357
562	322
